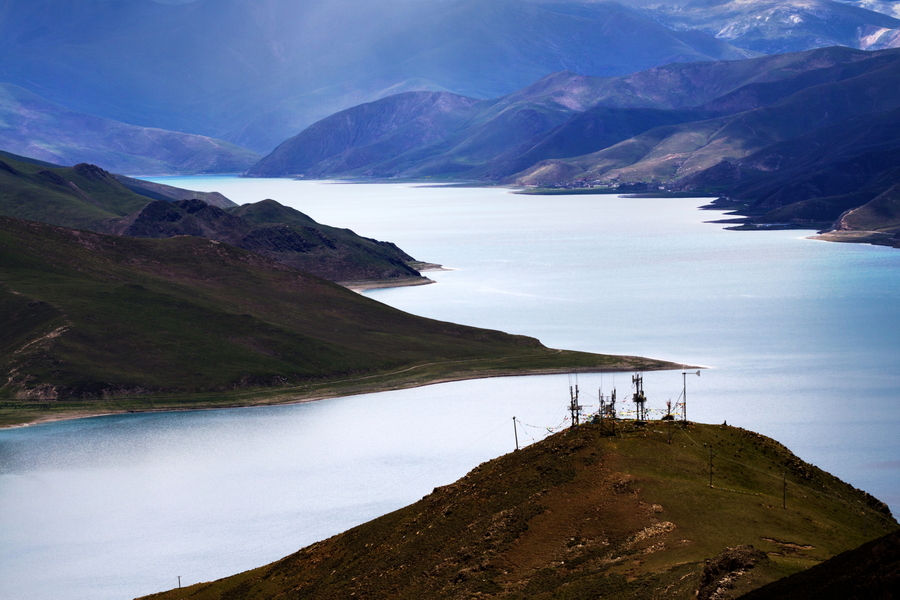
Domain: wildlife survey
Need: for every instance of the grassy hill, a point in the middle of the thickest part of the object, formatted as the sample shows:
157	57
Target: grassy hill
584	514
86	196
280	233
102	323
81	196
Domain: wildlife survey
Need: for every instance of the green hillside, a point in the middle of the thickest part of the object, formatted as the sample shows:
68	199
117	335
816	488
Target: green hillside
585	514
103	323
87	197
81	196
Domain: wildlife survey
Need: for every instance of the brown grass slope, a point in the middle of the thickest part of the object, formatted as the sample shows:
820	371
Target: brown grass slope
583	514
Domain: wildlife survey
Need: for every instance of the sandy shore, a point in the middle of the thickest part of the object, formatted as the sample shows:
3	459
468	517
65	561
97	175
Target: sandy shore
876	238
358	286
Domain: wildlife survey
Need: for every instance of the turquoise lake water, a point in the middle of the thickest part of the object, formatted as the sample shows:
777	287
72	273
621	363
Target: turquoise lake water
800	337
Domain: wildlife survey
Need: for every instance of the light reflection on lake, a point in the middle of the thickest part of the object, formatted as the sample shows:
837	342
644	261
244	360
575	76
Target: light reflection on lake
801	337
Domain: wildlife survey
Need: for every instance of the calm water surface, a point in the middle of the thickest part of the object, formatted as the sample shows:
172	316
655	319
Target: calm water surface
801	338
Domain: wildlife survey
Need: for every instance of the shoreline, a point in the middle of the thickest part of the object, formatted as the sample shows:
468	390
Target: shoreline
289	396
382	284
874	238
361	286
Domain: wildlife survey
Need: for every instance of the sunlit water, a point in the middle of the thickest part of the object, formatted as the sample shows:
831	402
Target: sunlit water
801	337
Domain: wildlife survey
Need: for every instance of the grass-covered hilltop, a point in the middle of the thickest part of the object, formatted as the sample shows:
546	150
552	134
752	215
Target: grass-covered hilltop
593	512
96	323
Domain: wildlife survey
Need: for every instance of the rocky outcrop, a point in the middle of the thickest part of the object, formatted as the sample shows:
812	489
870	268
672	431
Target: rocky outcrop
721	571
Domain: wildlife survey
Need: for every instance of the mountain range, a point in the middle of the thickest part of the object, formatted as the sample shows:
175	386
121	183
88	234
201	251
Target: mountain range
76	89
254	72
797	138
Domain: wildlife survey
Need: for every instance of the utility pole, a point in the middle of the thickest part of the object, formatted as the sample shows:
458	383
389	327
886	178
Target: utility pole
179	581
684	375
783	491
639	397
516	433
574	407
670	418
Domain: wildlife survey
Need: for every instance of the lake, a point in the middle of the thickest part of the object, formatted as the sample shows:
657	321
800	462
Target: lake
800	338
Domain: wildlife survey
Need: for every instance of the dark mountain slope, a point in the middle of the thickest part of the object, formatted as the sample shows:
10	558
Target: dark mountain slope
691	85
856	155
278	232
560	116
376	131
825	97
880	214
45	130
582	515
868	572
593	130
119	318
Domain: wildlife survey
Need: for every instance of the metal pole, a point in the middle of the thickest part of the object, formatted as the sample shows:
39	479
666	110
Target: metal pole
684	375
516	432
783	491
710	466
179	581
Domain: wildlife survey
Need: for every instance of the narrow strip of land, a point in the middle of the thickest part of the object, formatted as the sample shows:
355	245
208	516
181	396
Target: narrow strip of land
19	413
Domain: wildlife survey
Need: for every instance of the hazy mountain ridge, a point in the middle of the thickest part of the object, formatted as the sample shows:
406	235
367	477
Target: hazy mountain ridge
256	72
250	72
35	127
562	115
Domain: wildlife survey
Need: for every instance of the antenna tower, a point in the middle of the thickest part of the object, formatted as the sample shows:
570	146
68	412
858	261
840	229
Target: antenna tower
639	397
574	407
607	411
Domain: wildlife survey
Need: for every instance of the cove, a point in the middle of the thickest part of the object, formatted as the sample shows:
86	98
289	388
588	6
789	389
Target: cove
800	337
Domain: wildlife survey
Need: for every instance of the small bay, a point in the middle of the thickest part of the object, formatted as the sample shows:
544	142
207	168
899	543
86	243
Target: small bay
800	338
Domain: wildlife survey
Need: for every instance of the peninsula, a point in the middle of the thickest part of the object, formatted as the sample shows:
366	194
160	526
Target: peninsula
104	324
